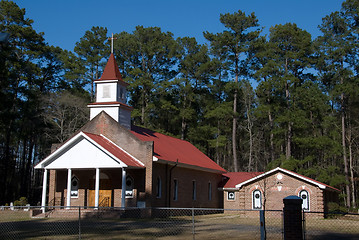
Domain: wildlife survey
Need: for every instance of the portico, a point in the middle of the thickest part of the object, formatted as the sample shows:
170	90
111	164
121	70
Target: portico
83	154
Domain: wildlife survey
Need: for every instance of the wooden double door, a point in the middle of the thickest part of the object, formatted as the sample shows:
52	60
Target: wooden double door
105	193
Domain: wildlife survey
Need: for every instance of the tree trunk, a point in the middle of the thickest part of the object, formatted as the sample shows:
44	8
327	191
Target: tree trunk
234	124
346	171
271	136
351	169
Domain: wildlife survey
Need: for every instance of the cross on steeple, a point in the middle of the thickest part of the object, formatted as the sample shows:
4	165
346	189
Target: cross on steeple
111	38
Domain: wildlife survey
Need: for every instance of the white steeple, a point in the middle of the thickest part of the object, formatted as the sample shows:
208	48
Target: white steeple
111	95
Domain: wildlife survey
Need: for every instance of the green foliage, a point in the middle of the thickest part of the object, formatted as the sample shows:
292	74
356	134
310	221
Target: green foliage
21	202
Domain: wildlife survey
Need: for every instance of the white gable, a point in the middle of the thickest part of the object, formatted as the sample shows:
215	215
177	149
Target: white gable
321	186
81	152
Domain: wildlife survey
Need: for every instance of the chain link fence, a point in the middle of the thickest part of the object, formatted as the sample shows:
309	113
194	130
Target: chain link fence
332	226
160	223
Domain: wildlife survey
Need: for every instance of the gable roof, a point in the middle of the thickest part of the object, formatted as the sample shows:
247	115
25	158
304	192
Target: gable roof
120	158
293	174
171	149
231	179
115	150
111	71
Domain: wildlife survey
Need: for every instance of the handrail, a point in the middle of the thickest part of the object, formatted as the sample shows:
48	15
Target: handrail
105	202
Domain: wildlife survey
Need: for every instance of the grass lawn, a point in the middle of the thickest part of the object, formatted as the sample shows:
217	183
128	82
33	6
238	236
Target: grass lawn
19	225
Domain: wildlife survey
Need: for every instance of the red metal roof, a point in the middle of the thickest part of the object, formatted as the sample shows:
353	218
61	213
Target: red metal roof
172	149
231	179
111	71
114	150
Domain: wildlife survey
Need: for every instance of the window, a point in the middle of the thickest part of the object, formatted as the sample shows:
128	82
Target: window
257	199
129	187
209	191
106	92
304	195
231	196
159	188
175	189
74	187
194	190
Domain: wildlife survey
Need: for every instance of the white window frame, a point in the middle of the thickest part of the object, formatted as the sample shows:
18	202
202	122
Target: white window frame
129	189
74	189
231	193
307	200
255	200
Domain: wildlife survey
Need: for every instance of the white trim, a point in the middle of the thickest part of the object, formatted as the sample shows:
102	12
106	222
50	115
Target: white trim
155	159
44	186
234	196
123	188
97	187
104	105
68	193
321	186
106	81
43	164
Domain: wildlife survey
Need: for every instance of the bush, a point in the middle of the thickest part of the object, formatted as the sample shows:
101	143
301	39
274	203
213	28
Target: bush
335	209
21	202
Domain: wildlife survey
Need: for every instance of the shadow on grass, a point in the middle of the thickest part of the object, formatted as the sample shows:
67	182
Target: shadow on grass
94	228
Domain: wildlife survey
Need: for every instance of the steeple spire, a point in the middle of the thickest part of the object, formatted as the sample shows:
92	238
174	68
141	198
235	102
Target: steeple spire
111	38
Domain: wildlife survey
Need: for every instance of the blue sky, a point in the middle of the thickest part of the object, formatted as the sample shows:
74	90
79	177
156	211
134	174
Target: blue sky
65	22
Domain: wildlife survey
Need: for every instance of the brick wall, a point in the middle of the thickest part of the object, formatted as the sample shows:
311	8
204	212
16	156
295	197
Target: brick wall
274	190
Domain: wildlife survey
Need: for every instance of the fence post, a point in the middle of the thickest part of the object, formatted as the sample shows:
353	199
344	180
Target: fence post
262	224
292	218
79	222
193	227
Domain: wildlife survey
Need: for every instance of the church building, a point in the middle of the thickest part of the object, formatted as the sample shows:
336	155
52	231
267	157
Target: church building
111	163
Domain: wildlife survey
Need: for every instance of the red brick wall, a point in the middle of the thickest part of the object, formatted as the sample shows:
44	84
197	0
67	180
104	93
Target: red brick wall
185	177
274	198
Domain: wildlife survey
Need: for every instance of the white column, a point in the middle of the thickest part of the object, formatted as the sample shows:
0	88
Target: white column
68	195
44	185
123	193
97	187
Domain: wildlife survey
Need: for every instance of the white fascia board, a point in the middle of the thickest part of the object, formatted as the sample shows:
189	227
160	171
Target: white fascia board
42	164
321	186
104	105
134	158
228	189
155	159
106	81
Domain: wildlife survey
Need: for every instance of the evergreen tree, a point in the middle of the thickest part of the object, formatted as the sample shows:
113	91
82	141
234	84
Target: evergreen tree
233	46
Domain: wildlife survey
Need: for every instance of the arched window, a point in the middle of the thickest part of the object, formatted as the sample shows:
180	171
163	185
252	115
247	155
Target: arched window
129	187
74	187
304	195
159	188
257	199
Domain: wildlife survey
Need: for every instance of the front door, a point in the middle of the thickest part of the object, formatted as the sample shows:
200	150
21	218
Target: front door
105	193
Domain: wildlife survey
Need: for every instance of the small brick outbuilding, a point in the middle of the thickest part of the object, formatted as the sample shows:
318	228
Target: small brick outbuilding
258	190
